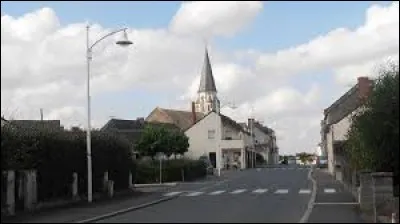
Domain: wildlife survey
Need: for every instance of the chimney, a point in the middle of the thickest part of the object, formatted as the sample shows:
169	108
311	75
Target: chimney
364	87
140	120
194	118
250	123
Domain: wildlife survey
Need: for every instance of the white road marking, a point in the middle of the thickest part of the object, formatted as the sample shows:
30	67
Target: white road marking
329	191
336	203
170	194
216	192
305	191
238	191
282	191
193	194
260	191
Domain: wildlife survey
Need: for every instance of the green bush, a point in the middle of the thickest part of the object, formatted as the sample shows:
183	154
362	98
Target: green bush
172	170
56	155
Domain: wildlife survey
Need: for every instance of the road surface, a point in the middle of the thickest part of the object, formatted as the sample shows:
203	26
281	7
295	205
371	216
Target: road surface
278	194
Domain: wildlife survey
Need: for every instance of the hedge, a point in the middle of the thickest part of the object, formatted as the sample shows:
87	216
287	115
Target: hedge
148	171
56	155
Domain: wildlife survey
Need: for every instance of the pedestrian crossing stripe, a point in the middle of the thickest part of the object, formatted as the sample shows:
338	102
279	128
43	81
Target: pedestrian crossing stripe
171	194
282	191
193	194
240	191
260	191
305	191
329	190
216	192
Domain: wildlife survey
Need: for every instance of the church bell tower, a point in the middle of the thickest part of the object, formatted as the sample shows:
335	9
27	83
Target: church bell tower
207	99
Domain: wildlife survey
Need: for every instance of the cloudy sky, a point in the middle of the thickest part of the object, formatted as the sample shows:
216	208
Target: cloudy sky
283	62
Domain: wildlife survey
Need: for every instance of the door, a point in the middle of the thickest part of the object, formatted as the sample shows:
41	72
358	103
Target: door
213	158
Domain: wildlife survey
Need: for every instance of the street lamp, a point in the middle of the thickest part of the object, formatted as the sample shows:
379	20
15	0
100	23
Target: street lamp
123	42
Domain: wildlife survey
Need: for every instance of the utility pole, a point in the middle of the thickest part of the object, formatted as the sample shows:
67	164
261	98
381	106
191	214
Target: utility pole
41	114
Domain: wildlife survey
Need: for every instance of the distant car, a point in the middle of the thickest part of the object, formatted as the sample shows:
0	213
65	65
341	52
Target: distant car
322	162
284	162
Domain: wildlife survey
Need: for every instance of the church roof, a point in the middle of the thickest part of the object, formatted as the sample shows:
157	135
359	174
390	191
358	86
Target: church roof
181	119
207	83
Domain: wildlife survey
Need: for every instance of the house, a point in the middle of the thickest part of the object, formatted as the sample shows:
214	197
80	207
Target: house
337	121
178	118
210	133
3	121
52	125
264	141
132	129
221	139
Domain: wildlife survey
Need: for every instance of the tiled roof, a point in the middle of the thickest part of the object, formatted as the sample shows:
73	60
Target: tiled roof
228	121
132	125
132	129
29	124
182	119
121	124
264	129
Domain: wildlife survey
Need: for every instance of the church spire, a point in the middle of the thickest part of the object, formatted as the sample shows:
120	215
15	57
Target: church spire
207	83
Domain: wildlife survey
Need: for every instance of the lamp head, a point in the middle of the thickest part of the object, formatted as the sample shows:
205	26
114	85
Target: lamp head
124	41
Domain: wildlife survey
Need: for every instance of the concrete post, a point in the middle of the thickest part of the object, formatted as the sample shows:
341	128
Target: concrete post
10	200
30	190
75	194
105	181
110	188
130	180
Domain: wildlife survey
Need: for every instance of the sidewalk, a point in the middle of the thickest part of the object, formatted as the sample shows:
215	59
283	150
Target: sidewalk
337	207
83	211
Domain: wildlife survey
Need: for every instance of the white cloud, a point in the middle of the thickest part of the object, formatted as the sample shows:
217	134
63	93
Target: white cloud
214	18
43	66
377	38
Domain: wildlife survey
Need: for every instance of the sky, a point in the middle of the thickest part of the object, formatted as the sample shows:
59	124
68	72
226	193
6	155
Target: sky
281	62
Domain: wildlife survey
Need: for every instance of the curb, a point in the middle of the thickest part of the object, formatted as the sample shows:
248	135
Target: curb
111	214
171	184
310	205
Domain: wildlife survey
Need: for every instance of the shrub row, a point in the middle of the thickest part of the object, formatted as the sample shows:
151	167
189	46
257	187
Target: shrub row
172	170
56	155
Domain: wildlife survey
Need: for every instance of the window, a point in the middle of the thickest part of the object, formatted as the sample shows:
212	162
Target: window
228	134
211	134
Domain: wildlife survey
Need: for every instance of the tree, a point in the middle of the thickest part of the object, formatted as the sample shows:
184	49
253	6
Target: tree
149	143
306	157
156	139
374	134
181	144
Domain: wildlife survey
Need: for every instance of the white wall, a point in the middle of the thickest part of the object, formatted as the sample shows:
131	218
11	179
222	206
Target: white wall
230	132
199	144
338	132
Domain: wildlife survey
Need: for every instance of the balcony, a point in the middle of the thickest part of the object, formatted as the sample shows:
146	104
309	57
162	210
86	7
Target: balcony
232	143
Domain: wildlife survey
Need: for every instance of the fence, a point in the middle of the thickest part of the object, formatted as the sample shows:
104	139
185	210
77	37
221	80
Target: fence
19	191
375	195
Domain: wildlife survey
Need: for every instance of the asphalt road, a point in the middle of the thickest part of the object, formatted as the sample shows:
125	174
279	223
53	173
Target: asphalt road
276	195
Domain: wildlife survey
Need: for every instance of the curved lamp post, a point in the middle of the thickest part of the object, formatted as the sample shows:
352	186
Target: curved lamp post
123	42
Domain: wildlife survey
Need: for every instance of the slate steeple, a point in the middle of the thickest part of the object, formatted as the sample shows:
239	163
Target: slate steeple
207	83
